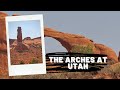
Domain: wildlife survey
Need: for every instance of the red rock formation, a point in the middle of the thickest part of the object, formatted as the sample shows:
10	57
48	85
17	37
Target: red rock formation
30	41
67	40
19	34
20	46
70	40
3	48
106	50
2	32
27	38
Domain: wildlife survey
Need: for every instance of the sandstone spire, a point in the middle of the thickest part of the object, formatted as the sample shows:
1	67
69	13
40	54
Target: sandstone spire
19	34
20	45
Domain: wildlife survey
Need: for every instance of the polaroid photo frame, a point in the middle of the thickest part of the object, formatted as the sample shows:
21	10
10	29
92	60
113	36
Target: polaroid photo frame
26	69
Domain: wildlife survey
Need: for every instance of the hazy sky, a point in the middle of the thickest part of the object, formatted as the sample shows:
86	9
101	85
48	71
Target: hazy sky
29	28
100	26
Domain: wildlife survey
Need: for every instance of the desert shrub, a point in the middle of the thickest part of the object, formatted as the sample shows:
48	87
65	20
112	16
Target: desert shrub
21	62
34	60
83	49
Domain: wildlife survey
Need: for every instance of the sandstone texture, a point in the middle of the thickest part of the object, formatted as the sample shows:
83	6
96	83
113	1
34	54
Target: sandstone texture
2	32
70	40
3	48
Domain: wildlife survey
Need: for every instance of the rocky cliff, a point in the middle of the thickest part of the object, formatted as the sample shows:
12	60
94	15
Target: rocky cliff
2	32
3	47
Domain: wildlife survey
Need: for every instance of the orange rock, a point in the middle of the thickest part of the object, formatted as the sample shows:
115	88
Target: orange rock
19	34
3	46
106	50
3	65
3	15
67	40
21	47
70	40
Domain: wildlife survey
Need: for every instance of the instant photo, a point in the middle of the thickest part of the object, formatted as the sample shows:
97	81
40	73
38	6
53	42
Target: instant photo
25	45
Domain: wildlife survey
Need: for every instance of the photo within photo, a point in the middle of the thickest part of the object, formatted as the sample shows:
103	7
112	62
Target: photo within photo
25	42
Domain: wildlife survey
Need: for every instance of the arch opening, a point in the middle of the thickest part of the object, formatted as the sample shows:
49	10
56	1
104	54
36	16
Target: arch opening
52	45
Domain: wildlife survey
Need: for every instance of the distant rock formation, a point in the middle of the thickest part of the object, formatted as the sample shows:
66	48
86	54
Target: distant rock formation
20	46
27	38
19	34
30	41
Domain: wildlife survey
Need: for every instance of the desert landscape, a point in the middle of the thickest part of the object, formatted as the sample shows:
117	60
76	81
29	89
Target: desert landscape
31	55
73	43
25	51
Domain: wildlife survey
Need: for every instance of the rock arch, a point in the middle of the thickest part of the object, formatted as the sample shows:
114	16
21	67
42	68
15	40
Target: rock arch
66	40
70	40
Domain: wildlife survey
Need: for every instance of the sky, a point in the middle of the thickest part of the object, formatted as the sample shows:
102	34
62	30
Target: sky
30	28
100	26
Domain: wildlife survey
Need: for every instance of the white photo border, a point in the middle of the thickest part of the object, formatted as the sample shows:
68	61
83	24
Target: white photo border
26	69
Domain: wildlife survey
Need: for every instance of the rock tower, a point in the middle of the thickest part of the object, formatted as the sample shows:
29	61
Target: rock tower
20	45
